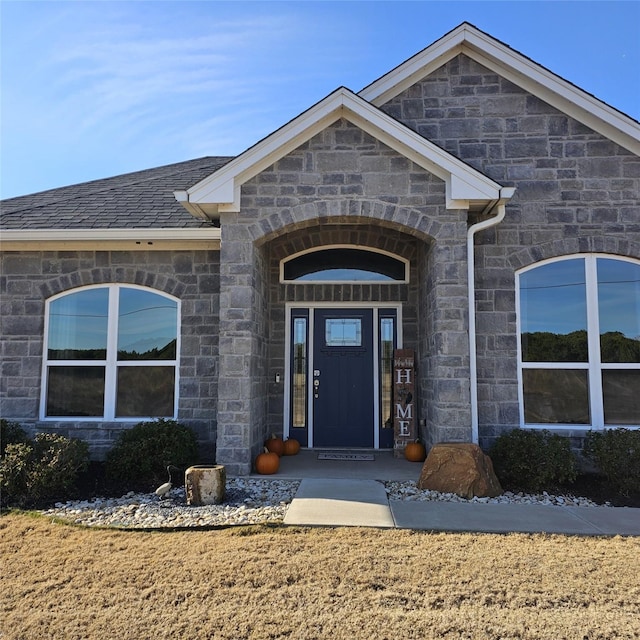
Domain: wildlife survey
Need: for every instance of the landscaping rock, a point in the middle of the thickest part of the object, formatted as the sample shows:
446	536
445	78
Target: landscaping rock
249	501
460	468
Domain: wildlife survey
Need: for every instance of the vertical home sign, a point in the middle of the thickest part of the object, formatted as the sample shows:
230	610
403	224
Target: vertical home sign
404	396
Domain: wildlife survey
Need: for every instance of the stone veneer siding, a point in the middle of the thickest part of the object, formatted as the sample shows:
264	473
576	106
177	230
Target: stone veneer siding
341	186
29	278
576	192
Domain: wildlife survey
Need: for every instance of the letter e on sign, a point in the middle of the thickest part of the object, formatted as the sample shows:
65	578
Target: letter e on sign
404	397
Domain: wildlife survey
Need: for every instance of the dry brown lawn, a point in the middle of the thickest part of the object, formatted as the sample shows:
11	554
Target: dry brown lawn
58	581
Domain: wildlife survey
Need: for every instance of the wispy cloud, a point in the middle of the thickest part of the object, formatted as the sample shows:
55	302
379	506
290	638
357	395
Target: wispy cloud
125	85
137	84
91	89
117	78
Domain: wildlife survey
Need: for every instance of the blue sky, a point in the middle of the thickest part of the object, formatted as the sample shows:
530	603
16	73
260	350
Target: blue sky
92	89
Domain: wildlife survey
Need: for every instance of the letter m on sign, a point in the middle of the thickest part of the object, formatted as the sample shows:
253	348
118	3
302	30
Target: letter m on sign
404	397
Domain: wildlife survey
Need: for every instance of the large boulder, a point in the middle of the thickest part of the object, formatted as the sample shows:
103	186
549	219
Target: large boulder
460	468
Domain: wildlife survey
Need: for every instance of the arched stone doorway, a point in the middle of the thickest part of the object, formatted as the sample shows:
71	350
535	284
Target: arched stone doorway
257	308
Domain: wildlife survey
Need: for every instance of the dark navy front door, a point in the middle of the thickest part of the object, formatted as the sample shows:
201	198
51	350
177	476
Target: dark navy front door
343	401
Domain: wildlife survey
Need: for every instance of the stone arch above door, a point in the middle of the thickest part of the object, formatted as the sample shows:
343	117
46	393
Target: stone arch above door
367	234
372	213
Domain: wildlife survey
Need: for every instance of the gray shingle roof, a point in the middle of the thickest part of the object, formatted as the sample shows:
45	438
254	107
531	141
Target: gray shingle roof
139	200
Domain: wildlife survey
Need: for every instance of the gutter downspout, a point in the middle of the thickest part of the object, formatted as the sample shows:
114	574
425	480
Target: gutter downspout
505	194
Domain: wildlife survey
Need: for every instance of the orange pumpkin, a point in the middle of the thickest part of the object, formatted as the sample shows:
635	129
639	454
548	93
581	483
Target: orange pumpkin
275	444
415	451
267	462
291	447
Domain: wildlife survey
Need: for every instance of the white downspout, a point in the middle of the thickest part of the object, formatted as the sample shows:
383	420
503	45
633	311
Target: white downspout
505	194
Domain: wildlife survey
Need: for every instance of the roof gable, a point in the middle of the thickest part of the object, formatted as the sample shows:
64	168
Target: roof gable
516	68
465	187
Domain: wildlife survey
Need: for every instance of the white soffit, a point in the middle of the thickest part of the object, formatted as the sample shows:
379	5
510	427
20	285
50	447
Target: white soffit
516	68
130	239
221	190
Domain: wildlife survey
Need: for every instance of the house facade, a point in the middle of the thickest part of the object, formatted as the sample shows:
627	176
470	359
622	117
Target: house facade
469	206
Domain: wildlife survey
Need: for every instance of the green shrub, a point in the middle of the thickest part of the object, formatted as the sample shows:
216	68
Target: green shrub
40	470
616	453
533	460
10	433
138	461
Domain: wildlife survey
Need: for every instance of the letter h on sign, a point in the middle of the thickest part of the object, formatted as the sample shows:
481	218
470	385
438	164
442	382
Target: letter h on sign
404	422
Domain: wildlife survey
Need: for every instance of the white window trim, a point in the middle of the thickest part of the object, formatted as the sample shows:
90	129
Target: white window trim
357	247
110	363
594	366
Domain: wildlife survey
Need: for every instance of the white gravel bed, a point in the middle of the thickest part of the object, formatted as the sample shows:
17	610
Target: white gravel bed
248	501
408	491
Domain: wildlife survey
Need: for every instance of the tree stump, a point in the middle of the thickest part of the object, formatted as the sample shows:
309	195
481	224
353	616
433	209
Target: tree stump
205	484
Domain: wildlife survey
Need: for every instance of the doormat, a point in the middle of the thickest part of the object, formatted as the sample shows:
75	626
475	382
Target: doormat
360	457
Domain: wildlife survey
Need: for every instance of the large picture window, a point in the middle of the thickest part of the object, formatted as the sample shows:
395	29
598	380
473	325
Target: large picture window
110	352
579	350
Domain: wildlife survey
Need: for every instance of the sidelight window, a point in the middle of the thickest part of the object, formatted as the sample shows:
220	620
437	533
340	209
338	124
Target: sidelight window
299	373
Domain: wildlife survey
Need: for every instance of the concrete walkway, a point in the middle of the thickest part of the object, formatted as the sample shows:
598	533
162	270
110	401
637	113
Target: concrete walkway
357	502
334	502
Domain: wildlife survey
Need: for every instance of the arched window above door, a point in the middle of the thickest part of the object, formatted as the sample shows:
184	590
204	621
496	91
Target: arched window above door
344	264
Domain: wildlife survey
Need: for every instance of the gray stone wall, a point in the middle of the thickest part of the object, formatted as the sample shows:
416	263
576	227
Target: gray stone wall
342	186
444	352
243	394
575	192
29	278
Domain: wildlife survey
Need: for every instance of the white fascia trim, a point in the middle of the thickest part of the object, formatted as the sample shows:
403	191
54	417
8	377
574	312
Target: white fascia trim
15	239
557	92
183	198
519	70
464	183
223	186
415	68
